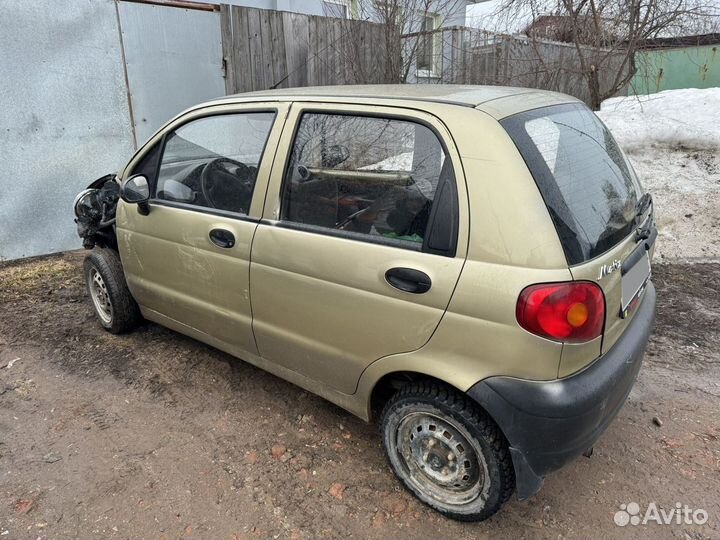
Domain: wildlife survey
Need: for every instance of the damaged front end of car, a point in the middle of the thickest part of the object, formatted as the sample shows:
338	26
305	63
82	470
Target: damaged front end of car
94	210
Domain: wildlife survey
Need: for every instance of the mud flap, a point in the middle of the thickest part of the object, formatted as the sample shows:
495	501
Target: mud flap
527	483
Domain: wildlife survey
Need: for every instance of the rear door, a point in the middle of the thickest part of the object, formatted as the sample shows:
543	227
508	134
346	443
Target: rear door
362	239
604	222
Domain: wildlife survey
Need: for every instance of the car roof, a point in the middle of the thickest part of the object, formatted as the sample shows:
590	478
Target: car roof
499	101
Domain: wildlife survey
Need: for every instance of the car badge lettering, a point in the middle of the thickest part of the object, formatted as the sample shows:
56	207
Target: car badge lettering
607	269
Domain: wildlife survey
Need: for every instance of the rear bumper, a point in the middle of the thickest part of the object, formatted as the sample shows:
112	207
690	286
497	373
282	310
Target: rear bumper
550	423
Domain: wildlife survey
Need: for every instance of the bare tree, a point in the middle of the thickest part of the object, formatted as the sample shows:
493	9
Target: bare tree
410	27
607	34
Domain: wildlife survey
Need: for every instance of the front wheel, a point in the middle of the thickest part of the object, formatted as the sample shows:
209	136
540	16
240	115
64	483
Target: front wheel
447	451
115	307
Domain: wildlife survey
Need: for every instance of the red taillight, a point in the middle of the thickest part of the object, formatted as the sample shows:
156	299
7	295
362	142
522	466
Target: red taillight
572	312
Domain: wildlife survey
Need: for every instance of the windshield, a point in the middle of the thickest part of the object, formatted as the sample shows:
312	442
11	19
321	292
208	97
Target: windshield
588	185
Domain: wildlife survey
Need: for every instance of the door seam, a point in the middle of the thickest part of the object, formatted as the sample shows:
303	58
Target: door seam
257	225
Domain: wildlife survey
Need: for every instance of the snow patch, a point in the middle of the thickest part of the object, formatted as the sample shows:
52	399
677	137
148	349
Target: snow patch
399	162
673	141
688	117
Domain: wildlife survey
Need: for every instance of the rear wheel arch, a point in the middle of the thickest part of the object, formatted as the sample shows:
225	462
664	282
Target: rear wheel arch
391	383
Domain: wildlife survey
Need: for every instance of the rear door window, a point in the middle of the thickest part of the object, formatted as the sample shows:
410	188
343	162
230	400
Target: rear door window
382	179
588	185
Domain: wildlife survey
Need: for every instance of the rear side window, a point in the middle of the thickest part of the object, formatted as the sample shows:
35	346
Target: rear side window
373	177
588	186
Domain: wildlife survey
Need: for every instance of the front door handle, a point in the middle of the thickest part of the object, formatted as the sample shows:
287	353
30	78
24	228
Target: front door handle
409	280
222	238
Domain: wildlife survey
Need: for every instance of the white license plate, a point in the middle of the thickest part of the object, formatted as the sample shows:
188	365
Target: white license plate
633	282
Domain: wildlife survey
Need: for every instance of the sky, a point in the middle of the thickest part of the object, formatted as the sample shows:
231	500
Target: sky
484	15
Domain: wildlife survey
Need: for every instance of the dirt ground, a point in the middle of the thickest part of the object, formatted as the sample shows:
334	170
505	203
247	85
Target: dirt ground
155	435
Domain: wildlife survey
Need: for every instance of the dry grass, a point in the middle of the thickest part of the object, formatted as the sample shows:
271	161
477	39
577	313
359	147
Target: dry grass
28	276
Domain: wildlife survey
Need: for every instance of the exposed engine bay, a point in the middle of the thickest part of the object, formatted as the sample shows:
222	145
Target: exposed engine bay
94	210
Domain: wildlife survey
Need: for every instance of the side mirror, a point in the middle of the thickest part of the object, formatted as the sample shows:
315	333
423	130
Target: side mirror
135	190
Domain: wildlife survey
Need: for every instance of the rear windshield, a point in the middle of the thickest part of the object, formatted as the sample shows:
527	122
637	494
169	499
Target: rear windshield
588	186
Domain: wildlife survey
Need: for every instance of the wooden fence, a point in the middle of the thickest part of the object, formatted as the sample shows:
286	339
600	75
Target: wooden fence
471	56
265	49
273	49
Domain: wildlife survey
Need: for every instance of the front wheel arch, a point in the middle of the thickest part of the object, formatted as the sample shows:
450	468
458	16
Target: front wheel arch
103	266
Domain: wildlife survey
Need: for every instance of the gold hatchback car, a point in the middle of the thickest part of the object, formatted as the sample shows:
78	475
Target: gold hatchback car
469	266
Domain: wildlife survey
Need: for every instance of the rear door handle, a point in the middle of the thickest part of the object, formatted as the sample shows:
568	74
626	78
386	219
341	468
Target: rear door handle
222	238
409	280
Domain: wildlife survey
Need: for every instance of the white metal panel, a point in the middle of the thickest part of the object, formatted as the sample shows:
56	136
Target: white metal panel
64	117
173	58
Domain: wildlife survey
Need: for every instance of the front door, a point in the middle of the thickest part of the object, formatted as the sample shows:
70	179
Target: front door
188	259
362	241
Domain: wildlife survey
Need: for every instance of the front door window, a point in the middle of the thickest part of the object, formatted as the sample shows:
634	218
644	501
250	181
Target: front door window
213	162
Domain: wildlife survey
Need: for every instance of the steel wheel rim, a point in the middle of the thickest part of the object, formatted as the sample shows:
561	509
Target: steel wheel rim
440	458
100	296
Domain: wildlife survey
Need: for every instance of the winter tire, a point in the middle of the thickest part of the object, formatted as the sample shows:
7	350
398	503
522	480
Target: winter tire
447	451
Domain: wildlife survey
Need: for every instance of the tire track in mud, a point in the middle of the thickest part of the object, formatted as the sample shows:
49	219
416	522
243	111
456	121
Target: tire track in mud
101	418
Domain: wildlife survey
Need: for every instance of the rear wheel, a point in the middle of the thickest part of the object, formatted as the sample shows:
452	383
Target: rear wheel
447	451
114	306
